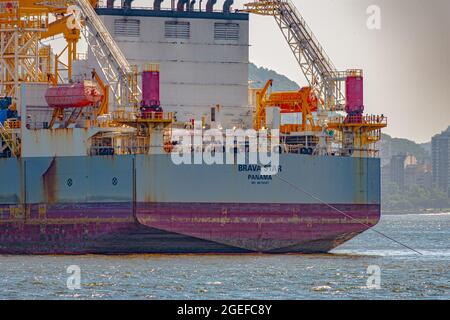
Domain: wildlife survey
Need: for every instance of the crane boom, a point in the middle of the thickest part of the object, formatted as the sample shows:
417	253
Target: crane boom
301	101
115	67
323	78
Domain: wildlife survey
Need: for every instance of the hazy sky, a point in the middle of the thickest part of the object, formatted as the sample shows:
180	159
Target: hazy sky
406	62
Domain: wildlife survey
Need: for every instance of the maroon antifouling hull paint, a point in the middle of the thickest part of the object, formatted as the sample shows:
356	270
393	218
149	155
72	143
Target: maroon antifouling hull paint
180	227
260	227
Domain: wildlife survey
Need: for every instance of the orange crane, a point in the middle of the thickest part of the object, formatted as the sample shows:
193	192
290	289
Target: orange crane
334	90
59	27
303	101
104	90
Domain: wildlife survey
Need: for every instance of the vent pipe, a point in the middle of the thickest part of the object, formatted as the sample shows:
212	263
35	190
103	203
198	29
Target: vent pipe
191	5
126	4
226	6
210	5
181	4
157	5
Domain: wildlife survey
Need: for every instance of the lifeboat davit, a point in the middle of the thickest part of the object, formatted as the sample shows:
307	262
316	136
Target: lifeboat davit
77	95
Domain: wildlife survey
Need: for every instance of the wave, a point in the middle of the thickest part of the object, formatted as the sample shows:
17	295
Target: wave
419	214
436	214
394	253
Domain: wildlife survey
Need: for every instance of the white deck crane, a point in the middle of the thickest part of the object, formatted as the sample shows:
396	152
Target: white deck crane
326	82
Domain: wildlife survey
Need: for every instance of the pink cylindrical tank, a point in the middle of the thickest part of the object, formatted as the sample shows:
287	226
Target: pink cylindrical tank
73	95
150	87
354	88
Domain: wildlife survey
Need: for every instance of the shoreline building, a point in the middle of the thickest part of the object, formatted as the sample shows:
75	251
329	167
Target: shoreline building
406	172
440	155
397	170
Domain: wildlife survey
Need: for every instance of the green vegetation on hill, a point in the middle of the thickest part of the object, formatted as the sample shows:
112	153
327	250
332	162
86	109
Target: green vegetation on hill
405	146
258	76
426	146
412	199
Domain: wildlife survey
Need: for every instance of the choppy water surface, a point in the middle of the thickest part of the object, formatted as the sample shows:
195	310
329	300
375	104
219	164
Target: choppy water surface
339	275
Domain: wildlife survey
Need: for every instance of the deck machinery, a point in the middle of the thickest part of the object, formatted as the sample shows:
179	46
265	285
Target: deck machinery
329	90
24	24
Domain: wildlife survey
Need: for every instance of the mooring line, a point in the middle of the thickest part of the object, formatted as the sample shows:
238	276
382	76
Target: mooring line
345	214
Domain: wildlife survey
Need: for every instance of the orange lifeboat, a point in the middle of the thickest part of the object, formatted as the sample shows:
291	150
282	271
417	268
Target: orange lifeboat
77	95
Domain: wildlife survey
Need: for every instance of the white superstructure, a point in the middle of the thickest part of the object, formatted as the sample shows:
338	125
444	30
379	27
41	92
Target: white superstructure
203	58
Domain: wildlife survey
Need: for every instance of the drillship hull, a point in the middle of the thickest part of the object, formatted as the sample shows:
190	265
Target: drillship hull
147	204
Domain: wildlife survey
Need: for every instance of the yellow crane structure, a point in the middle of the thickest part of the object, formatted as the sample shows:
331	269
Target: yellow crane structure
355	132
322	76
302	101
23	57
104	90
72	36
357	135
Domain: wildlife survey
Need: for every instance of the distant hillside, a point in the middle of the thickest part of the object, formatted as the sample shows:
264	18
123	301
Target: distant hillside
398	146
426	146
259	76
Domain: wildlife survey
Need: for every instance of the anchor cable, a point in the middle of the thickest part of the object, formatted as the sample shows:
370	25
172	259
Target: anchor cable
347	215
